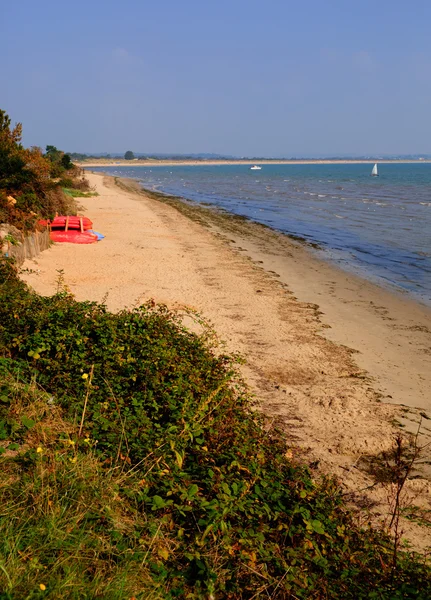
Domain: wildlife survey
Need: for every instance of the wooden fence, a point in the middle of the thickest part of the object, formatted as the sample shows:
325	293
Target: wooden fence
32	245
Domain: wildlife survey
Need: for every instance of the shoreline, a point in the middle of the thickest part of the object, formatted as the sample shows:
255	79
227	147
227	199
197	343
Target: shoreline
306	330
263	241
317	250
350	255
200	163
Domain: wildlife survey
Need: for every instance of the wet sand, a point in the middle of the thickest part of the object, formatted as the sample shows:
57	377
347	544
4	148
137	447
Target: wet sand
331	358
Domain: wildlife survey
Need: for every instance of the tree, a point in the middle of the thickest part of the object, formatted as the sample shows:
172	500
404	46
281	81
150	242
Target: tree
129	155
31	181
66	162
14	174
53	154
12	136
58	161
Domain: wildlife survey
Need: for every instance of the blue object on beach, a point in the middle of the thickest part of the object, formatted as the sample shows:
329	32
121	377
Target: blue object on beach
100	236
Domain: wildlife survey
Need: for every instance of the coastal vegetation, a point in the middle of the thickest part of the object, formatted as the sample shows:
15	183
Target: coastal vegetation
132	465
32	182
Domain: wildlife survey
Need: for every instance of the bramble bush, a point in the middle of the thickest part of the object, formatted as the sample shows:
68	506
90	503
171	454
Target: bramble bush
215	507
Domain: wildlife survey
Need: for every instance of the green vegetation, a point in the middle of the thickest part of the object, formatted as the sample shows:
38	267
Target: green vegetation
60	162
129	155
31	182
133	466
78	193
131	462
79	156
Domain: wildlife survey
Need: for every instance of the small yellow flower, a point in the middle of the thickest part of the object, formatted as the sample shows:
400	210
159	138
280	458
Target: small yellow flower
85	376
39	449
42	587
73	460
71	442
87	440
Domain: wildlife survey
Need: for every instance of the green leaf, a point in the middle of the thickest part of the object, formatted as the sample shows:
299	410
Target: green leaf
192	491
179	458
225	488
158	503
29	423
317	527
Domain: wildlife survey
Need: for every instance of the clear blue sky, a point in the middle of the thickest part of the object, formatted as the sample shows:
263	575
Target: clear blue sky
274	78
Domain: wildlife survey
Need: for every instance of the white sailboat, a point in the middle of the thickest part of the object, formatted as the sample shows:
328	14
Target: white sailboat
255	168
374	172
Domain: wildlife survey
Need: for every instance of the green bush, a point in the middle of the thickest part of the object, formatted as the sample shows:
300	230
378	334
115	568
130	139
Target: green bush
219	508
28	187
66	162
66	182
29	202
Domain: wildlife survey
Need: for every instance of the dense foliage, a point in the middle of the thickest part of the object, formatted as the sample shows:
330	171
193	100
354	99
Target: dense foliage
31	183
131	452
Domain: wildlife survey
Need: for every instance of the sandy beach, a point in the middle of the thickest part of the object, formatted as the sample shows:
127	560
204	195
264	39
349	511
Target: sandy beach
111	162
335	360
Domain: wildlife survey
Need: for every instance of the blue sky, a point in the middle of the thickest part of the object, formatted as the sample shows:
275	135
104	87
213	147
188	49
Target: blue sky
274	78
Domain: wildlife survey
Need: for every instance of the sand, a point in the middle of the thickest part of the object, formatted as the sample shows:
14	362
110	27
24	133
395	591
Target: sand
331	358
112	162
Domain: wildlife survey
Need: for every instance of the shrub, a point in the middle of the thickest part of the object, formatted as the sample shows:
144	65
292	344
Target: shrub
68	530
218	507
66	162
29	202
56	201
66	182
28	177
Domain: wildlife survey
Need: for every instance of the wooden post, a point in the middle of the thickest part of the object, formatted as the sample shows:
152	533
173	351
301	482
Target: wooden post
67	223
81	224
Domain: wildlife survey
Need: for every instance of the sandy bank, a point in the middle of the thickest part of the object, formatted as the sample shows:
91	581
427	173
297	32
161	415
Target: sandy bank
265	295
201	163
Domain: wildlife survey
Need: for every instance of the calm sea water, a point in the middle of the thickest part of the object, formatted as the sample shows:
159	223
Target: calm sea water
379	227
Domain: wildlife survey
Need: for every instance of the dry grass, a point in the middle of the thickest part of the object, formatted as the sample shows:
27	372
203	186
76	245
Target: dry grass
63	516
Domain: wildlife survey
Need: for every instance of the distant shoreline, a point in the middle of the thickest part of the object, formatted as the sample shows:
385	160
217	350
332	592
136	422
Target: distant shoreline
202	163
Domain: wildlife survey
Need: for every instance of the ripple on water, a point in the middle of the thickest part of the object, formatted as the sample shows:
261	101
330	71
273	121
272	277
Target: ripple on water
380	226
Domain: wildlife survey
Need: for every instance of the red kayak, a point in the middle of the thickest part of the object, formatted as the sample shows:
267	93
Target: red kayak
71	222
68	228
73	236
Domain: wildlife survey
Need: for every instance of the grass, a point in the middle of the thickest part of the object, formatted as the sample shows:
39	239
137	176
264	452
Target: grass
63	525
133	467
79	193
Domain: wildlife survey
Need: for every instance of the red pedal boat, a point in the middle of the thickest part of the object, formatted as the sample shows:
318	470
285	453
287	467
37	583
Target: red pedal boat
68	228
71	222
73	236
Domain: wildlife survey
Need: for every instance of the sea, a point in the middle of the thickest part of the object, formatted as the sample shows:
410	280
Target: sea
377	227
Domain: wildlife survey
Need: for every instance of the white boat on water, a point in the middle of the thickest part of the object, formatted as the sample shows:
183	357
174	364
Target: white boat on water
255	168
374	172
